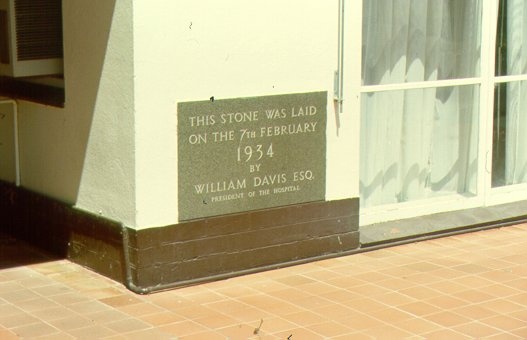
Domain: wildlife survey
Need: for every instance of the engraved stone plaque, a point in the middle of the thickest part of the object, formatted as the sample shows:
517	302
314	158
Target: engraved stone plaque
251	153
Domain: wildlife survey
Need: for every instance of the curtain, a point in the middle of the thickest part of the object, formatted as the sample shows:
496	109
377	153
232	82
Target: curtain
419	143
516	92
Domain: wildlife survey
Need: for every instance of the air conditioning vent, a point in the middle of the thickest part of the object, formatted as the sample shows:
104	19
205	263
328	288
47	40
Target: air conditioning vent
31	31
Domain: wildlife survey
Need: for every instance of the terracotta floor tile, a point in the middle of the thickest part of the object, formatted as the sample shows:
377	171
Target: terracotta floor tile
519	298
277	324
295	280
17	296
501	291
521	332
367	305
393	299
502	306
387	332
268	285
520	284
346	282
291	294
504	322
370	290
153	334
33	330
418	326
447	319
391	315
468	286
373	277
209	335
322	275
37	304
68	298
423	267
318	288
334	311
226	306
447	274
17	320
474	295
304	318
70	322
361	322
121	300
54	289
9	309
140	309
249	314
419	308
501	276
474	312
504	336
127	325
299	333
520	315
215	321
162	318
474	281
235	291
447	302
396	284
340	296
183	328
311	302
259	300
204	297
195	311
420	279
168	301
476	330
471	268
329	329
89	306
445	334
8	335
106	316
447	287
420	292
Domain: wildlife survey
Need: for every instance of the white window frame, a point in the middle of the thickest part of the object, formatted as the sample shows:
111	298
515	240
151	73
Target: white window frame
486	195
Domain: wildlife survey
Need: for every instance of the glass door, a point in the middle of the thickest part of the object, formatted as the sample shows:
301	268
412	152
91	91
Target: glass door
509	128
421	117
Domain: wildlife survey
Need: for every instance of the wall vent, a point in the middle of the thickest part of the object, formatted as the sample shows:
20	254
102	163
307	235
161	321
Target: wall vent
30	37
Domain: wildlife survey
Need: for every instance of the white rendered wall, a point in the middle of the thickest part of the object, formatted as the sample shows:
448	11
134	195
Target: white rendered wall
190	50
84	153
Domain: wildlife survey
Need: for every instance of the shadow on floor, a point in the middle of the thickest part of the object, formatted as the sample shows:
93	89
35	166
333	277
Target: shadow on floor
15	253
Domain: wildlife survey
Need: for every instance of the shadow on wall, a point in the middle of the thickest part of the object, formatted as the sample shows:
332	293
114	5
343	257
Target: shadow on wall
54	142
87	30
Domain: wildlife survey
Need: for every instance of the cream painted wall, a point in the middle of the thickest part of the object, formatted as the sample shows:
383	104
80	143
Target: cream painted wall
113	149
84	153
191	50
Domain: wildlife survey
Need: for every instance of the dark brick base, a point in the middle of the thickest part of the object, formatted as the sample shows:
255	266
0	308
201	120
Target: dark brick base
186	253
63	231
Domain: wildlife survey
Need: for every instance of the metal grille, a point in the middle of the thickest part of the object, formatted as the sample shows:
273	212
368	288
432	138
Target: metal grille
38	29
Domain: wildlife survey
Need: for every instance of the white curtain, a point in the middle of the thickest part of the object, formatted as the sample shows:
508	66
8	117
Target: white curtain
419	143
516	102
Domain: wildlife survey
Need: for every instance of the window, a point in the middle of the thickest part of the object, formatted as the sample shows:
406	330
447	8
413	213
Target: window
443	108
419	135
31	53
510	104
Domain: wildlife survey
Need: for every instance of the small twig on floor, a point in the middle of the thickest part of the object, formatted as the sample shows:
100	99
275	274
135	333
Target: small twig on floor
257	329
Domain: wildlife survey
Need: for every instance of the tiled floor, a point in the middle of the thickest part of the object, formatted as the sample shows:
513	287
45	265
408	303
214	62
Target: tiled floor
471	286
